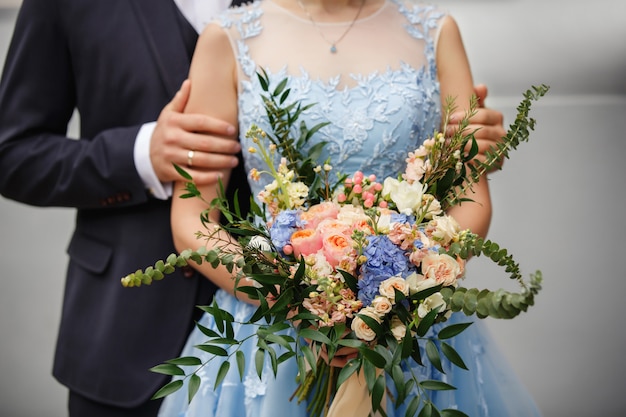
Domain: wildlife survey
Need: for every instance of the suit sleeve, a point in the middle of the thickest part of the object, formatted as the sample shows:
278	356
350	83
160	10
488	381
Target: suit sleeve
39	164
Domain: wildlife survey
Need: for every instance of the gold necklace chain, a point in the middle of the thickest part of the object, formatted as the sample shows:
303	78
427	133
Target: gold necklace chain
333	44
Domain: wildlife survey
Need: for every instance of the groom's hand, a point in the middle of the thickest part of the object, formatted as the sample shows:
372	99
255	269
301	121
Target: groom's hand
487	123
200	144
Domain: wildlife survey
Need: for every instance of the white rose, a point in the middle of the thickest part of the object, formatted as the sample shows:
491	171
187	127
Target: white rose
443	268
350	214
387	287
398	329
446	229
418	282
361	329
407	197
390	185
382	305
434	208
317	266
383	223
431	303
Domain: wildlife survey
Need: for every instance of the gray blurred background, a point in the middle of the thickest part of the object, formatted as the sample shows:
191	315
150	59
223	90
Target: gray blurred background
559	207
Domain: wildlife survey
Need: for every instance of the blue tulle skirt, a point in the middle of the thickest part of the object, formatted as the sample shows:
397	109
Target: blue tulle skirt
489	388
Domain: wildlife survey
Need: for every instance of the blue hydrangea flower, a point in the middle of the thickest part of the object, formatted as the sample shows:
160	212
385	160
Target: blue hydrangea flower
384	260
283	227
402	218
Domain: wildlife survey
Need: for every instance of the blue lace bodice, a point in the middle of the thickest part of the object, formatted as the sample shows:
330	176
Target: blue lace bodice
375	117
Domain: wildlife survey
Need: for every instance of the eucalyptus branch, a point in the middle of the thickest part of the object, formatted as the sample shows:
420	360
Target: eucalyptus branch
486	303
518	132
288	137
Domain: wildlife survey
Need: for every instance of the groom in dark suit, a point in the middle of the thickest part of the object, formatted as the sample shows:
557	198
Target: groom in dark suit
118	62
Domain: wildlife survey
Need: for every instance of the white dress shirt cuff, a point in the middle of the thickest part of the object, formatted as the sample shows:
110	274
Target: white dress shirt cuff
141	154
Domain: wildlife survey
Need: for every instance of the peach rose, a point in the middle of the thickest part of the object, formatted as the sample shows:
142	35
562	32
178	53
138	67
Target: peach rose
387	287
361	329
322	211
398	329
336	247
443	268
333	227
382	305
305	242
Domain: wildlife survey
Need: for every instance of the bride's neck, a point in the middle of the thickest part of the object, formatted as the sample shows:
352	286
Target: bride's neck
331	10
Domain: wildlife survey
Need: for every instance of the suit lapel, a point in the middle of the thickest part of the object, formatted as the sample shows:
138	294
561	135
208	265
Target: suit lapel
160	27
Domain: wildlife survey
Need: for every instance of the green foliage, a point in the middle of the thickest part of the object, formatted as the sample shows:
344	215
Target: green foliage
518	132
499	304
291	136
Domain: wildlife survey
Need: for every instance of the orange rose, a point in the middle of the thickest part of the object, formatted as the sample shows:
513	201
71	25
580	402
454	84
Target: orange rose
336	247
306	242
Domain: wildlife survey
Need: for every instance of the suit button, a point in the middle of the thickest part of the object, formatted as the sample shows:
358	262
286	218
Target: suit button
188	272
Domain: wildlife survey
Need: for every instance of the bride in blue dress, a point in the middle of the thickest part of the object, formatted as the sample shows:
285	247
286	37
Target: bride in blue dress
378	71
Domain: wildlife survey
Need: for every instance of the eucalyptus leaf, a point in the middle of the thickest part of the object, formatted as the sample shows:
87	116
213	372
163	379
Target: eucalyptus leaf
241	364
259	360
214	350
167	369
167	389
452	355
310	358
315	335
448	412
192	388
436	385
378	392
348	370
411	409
374	358
185	361
452	330
221	374
433	355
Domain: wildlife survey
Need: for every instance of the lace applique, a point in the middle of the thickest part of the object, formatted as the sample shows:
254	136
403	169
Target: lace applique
254	387
374	121
246	20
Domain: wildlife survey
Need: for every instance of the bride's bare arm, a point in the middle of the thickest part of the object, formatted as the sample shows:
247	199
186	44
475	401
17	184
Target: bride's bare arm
455	78
213	92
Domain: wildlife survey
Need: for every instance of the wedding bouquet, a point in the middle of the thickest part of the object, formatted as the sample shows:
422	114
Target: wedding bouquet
351	261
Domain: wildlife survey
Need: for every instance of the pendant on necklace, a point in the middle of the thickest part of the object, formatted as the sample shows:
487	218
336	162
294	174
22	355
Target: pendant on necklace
333	49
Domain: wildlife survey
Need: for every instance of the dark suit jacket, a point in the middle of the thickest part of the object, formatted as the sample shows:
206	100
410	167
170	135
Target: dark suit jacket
118	62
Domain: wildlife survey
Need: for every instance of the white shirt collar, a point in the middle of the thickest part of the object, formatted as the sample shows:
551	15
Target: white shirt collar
201	12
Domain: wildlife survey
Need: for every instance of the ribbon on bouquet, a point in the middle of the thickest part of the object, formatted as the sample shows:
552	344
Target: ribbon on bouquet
353	399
